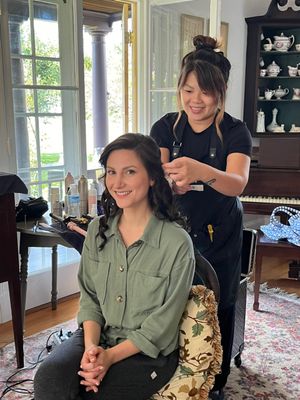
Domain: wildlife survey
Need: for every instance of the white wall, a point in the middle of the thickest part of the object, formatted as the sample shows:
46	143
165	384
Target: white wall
237	44
39	289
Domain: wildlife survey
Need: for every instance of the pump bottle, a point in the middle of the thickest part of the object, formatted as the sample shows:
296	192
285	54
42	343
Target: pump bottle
74	201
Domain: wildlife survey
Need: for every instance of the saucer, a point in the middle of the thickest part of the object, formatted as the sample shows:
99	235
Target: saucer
261	98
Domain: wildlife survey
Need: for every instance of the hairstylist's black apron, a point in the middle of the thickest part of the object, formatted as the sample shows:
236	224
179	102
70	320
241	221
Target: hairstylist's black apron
217	231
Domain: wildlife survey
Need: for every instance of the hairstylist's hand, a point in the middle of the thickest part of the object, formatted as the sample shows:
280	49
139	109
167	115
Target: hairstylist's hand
94	365
183	171
180	189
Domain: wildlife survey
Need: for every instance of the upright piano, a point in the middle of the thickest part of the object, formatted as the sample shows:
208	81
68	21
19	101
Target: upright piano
268	188
274	177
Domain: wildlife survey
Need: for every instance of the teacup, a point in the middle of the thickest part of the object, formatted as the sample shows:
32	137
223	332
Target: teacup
297	46
269	94
292	70
296	94
263	72
268	46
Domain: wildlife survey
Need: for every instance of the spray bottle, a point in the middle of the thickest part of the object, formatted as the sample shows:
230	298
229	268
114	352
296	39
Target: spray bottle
92	200
83	193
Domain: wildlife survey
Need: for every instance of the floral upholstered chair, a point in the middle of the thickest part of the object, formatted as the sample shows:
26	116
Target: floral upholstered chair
200	351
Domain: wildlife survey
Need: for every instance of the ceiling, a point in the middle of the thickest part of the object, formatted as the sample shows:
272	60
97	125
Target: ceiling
103	6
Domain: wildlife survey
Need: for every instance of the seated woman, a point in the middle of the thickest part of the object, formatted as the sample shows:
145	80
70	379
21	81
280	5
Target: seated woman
135	276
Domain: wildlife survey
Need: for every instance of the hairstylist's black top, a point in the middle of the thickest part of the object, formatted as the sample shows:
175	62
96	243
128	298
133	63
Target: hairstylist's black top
209	207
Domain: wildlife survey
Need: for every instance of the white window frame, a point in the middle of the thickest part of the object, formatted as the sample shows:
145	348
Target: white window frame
67	275
74	130
144	34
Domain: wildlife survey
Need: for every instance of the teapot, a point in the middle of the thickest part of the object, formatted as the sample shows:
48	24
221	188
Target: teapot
279	92
282	42
273	69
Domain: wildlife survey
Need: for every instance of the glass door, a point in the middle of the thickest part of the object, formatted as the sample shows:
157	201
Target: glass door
171	27
110	61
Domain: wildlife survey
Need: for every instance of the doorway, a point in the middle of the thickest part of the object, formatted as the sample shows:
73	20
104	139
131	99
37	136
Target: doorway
110	67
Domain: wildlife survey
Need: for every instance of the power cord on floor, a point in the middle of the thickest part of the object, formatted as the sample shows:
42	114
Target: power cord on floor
12	385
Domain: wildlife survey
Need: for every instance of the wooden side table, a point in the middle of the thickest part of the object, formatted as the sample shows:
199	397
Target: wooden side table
30	236
270	248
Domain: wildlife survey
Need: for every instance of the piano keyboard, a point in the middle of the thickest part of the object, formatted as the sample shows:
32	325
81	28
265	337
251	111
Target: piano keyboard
273	200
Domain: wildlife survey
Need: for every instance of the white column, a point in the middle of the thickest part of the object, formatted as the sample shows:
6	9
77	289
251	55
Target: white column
99	79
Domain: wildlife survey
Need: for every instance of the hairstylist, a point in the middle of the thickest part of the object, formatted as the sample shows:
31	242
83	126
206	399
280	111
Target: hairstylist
206	154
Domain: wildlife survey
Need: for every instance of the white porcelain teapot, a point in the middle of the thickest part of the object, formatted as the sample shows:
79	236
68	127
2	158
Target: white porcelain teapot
279	92
282	42
273	69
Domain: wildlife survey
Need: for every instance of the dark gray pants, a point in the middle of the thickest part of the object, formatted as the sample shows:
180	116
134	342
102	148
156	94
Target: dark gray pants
130	379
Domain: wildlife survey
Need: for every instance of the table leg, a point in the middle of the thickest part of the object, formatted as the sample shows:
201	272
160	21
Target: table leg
23	277
16	310
54	278
257	277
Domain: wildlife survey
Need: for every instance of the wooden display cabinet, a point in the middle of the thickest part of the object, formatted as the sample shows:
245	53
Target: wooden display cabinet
274	23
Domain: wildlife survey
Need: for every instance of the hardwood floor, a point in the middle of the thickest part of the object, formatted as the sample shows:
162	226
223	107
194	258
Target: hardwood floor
274	271
42	318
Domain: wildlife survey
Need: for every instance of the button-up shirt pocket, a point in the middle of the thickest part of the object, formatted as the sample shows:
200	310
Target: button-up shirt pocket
149	293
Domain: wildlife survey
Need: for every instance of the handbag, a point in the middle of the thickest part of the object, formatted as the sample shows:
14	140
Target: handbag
31	208
276	230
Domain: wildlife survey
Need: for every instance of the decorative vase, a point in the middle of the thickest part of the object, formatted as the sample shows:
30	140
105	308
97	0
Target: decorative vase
273	125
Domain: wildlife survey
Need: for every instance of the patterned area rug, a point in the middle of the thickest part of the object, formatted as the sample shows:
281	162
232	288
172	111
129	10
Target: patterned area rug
270	362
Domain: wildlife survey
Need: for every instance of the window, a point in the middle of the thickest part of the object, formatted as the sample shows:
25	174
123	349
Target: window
45	90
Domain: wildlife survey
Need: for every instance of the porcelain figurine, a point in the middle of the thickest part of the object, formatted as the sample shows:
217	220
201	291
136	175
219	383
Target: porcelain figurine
260	121
279	128
295	128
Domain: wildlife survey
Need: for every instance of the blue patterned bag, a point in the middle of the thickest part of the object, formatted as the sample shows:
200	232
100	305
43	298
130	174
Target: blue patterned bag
276	230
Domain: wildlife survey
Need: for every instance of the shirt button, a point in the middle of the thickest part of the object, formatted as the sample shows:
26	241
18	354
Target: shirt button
121	268
119	299
195	235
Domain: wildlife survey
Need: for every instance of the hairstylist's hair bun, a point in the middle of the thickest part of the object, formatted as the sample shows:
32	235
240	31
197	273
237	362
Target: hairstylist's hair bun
205	42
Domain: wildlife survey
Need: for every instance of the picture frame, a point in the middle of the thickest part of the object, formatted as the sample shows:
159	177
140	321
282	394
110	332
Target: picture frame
190	26
224	37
